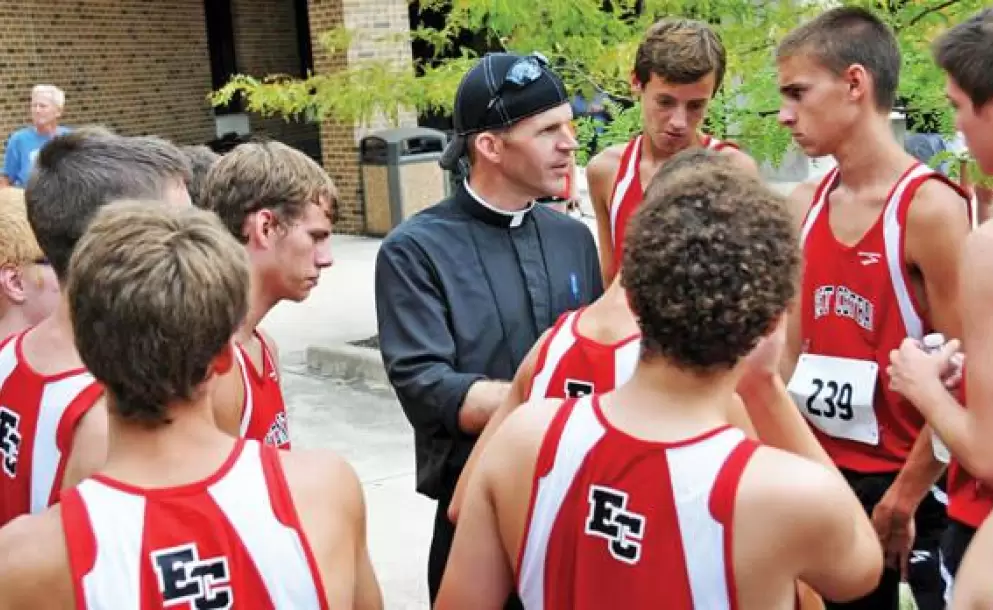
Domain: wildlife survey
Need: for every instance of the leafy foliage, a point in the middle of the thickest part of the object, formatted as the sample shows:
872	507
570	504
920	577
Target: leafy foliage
592	43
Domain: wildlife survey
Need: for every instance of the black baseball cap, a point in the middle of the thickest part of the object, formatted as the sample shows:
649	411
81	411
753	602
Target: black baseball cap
500	90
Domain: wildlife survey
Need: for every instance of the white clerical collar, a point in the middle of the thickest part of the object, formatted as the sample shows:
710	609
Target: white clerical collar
514	218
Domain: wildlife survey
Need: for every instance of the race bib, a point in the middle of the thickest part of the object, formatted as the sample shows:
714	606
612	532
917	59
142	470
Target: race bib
836	396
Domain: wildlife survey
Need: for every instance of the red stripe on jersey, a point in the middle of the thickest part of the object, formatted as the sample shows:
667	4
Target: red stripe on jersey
264	412
543	465
81	545
625	197
722	500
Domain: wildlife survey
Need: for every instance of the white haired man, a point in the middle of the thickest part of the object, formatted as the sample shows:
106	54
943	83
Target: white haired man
23	145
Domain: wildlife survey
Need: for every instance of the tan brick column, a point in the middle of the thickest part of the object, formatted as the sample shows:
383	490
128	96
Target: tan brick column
339	142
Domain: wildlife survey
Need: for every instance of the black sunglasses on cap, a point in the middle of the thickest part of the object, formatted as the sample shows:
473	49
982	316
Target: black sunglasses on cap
524	72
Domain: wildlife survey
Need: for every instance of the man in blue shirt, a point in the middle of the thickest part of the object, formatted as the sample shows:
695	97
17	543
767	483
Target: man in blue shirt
23	145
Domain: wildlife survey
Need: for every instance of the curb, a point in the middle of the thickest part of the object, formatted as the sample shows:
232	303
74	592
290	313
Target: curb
347	362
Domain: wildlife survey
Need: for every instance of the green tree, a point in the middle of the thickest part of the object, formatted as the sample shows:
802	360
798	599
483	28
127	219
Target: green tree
592	43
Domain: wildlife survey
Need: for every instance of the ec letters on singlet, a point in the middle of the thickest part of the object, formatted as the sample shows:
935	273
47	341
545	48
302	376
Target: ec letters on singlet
185	578
609	519
10	441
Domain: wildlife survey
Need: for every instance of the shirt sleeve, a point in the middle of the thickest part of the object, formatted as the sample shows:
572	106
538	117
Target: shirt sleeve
11	159
415	339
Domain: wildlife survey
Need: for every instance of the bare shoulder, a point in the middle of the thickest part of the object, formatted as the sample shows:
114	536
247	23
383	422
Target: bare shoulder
741	159
601	171
937	202
518	439
321	476
606	162
317	466
34	563
533	420
788	489
799	199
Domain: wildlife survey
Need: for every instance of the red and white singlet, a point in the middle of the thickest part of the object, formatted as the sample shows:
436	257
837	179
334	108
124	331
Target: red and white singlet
617	522
627	193
38	416
230	541
571	365
263	413
857	305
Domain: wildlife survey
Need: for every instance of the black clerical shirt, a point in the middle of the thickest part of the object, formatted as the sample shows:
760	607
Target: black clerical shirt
463	291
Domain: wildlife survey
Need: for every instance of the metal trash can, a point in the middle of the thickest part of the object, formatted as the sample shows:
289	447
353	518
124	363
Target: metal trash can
400	175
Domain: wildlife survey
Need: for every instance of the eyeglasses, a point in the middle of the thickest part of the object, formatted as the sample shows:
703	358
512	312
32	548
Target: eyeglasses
524	72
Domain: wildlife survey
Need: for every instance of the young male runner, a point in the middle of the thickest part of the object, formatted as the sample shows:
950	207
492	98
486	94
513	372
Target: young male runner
678	68
881	237
181	514
964	53
277	202
645	495
52	418
29	290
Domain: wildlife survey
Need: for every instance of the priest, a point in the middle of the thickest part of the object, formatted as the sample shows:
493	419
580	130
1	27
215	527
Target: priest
465	287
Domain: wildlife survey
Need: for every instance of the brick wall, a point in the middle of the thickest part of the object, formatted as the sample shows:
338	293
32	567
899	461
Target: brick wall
338	140
265	34
136	66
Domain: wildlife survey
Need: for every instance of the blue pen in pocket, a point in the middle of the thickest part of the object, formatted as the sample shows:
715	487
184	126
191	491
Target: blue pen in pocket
574	288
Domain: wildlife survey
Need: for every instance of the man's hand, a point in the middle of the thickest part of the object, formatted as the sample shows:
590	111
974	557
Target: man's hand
481	401
893	519
762	364
917	375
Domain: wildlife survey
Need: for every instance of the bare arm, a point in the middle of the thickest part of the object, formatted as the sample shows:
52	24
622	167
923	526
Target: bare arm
367	592
89	445
478	573
937	225
516	395
600	175
840	556
34	566
972	586
327	495
481	402
778	422
480	569
798	202
916	375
